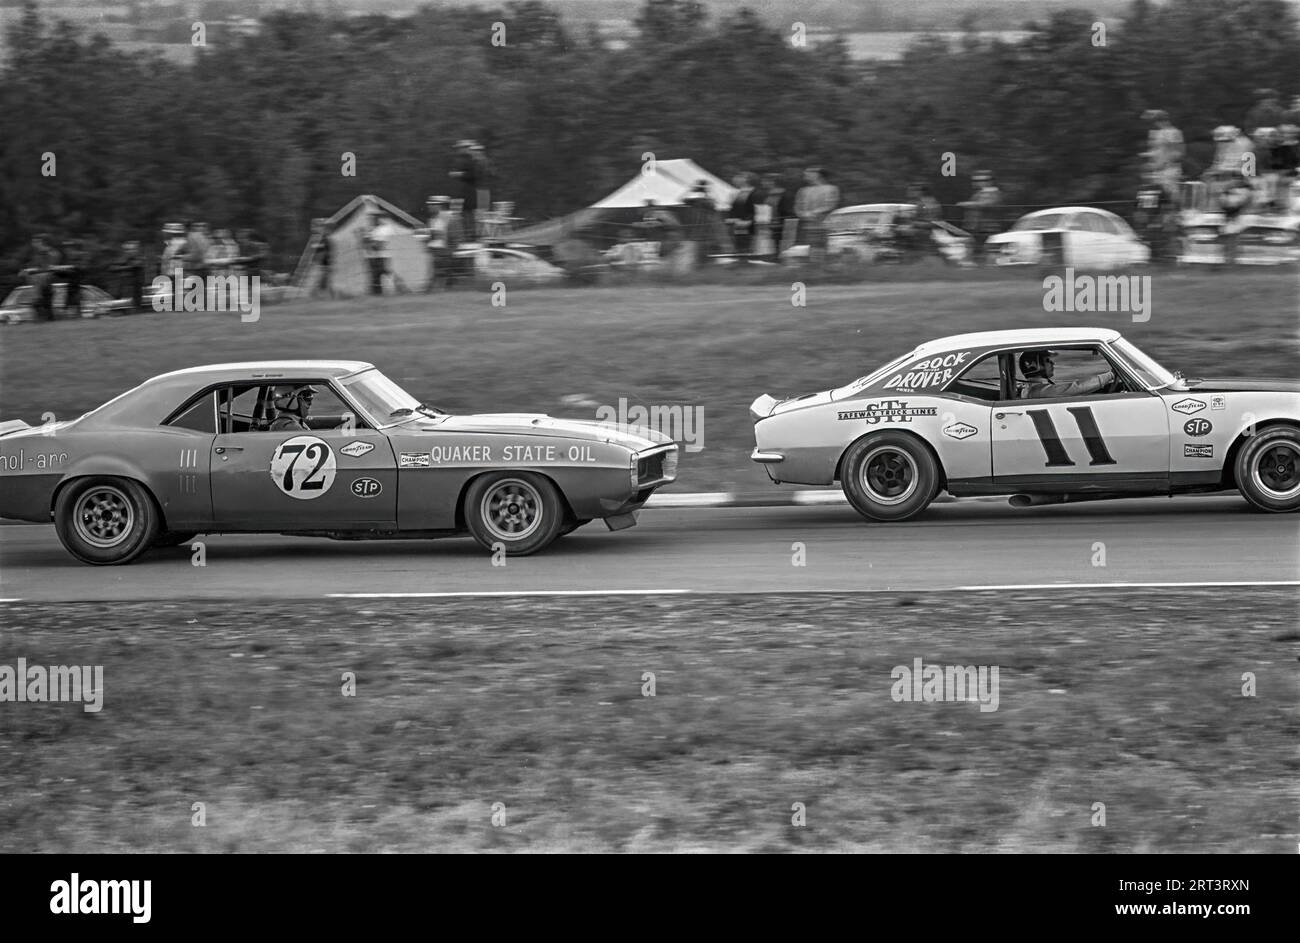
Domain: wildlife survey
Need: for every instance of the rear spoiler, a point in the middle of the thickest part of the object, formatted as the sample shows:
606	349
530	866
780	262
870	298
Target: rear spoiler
762	407
12	425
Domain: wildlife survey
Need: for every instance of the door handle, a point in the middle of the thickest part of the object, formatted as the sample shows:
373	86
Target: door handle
223	449
1006	414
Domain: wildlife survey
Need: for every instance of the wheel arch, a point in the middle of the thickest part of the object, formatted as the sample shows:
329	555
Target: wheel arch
69	480
1229	475
469	482
938	462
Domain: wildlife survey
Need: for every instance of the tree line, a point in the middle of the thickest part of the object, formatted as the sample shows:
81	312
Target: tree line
270	130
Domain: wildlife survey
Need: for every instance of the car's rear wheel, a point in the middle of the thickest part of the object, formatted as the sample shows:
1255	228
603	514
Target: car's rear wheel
519	511
105	521
1268	470
889	476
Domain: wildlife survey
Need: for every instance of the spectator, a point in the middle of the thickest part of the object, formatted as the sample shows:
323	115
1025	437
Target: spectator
323	253
1231	150
175	258
253	250
73	270
786	219
1233	200
440	242
222	253
466	168
661	226
983	211
1164	153
765	198
130	269
375	239
1152	216
200	248
42	259
741	218
813	203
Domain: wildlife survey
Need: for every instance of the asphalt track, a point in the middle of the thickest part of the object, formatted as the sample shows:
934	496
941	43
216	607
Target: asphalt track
958	545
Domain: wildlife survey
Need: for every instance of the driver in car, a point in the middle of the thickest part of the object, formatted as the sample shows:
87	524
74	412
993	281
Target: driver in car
292	404
1037	366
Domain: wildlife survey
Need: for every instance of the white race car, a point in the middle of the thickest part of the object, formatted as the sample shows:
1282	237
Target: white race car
1069	235
1045	416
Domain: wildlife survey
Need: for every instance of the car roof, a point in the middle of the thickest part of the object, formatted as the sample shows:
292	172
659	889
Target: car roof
268	369
872	208
1071	209
1033	337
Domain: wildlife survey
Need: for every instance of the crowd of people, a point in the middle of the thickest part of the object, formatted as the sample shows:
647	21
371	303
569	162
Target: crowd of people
125	272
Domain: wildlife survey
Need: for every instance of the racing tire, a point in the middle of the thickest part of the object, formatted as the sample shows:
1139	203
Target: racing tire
171	538
521	511
889	476
106	521
1267	470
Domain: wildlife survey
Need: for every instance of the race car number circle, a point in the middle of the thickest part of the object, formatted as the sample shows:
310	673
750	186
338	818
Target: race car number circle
303	467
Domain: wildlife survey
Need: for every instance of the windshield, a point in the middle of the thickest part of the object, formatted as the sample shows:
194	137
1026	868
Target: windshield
1150	372
1036	223
385	401
870	378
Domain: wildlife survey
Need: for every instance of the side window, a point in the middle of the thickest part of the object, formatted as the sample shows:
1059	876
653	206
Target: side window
241	408
200	416
982	379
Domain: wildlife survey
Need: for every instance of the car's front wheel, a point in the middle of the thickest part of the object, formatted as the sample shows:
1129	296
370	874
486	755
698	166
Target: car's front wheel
520	512
889	476
1268	470
105	521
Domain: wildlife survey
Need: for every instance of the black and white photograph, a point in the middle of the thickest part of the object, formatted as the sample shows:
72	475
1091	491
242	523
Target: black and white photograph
650	427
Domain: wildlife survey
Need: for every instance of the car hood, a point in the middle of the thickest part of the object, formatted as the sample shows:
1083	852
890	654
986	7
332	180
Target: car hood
636	438
1244	385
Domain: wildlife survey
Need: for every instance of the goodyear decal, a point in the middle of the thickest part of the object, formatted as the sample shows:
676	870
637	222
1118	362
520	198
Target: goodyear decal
959	430
357	449
1188	406
890	410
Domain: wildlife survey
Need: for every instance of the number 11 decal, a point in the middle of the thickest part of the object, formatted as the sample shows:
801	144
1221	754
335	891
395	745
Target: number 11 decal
1087	423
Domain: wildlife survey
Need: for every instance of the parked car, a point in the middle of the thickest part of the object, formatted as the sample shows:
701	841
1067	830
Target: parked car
1081	236
508	264
20	304
880	232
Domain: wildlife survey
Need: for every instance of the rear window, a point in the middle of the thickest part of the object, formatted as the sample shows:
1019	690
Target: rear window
201	416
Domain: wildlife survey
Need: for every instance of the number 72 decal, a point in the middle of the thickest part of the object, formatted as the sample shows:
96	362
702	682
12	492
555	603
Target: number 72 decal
1055	451
303	467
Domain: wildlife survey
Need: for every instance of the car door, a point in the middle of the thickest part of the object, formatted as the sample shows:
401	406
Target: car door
1090	246
1115	440
334	475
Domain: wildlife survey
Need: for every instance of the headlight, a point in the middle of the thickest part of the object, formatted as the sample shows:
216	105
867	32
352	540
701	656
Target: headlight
633	463
670	464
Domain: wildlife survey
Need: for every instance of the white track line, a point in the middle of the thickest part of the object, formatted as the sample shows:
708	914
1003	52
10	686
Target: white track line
1175	585
515	592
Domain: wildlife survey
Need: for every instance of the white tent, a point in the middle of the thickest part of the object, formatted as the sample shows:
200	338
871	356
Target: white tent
349	270
667	182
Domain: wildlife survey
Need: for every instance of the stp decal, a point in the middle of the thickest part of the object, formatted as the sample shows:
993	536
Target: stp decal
357	449
1188	406
1198	427
890	410
959	430
303	467
367	487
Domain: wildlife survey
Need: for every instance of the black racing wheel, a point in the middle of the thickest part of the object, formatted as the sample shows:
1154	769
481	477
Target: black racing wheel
520	511
889	476
1268	469
105	521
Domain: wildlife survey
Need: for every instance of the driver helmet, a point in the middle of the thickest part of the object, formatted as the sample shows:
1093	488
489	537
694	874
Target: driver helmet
293	399
1033	363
